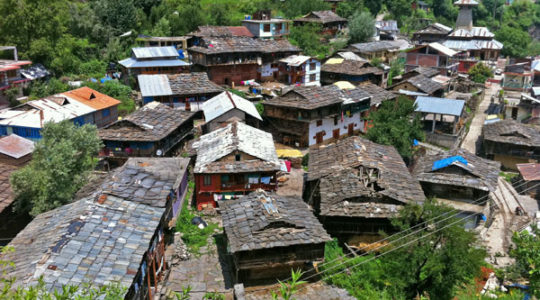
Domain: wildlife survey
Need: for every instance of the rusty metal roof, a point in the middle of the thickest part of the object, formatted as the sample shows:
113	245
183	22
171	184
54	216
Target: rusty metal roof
16	146
92	98
529	172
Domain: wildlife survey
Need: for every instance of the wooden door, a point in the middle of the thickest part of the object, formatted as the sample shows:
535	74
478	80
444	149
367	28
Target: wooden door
335	134
319	138
350	130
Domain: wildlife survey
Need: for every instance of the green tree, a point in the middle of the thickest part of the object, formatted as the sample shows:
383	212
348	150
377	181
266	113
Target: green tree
374	6
297	8
347	9
117	16
40	89
162	28
527	255
397	67
395	124
308	39
515	40
361	27
480	73
60	165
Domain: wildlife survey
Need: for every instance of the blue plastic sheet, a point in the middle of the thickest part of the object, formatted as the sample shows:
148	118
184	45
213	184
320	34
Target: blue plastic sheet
443	163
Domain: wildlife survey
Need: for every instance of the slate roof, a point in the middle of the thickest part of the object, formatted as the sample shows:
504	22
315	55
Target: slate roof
266	220
153	122
146	180
426	71
337	168
84	242
225	102
6	194
221	31
443	106
15	146
236	136
308	97
351	67
423	83
512	132
380	46
478	173
377	93
192	84
218	45
322	16
435	28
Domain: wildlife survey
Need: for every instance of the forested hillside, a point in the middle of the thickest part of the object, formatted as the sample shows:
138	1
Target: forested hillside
80	37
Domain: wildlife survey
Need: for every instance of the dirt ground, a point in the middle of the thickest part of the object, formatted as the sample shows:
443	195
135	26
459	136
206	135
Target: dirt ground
293	186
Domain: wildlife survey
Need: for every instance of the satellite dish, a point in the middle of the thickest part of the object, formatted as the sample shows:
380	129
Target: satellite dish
159	152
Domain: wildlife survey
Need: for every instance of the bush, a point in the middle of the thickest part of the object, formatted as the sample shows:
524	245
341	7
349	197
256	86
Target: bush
117	90
480	73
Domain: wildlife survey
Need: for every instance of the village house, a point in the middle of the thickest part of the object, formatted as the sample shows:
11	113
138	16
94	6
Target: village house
386	30
300	70
154	60
355	186
116	234
187	91
354	71
178	42
435	32
231	60
433	55
226	108
269	235
530	175
442	119
426	71
219	31
153	130
459	179
312	116
535	67
418	85
263	26
517	77
15	153
510	143
81	106
330	22
233	161
15	73
384	50
521	107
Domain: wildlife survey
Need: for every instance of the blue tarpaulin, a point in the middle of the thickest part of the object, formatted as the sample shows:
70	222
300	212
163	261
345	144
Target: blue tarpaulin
181	54
445	162
415	142
106	78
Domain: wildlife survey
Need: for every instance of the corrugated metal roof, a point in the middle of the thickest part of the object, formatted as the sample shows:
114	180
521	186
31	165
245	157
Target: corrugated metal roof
465	45
443	106
16	146
155	52
466	2
530	171
133	63
226	101
154	85
536	90
443	49
295	60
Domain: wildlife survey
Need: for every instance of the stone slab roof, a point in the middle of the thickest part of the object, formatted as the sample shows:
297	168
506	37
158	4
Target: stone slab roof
512	132
308	97
84	242
377	93
423	83
351	67
221	31
323	17
236	136
6	194
153	122
478	173
265	220
194	83
218	45
347	156
146	180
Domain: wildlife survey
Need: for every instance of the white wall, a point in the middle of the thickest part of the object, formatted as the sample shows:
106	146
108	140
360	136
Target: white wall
328	126
309	72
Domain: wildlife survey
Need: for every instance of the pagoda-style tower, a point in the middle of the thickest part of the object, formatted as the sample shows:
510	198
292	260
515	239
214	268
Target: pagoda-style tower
465	17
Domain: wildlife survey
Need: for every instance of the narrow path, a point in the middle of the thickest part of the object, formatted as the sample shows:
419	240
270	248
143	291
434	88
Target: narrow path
470	142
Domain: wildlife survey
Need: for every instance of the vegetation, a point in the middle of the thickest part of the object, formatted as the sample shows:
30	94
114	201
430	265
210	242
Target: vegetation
111	291
527	255
289	288
308	39
61	162
435	262
213	296
192	235
361	27
118	91
397	67
395	124
480	73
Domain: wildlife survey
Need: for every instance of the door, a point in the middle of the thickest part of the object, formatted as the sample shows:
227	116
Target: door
514	113
319	137
350	130
188	105
335	134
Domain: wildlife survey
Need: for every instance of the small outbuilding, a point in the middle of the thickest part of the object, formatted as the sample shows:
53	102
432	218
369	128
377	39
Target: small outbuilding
269	235
226	108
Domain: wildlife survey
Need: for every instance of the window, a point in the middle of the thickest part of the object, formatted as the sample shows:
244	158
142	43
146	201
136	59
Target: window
207	180
237	157
319	122
266	28
278	27
106	112
3	131
313	66
312	77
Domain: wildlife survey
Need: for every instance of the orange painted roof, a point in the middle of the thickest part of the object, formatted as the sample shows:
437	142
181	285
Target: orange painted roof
99	101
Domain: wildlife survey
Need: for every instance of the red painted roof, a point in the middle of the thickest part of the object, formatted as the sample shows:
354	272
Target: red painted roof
240	31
